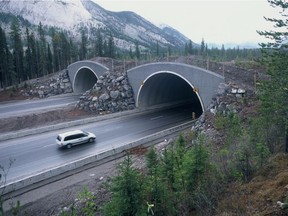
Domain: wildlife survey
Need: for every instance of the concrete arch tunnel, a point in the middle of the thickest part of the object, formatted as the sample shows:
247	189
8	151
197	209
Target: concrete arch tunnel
84	74
174	83
156	83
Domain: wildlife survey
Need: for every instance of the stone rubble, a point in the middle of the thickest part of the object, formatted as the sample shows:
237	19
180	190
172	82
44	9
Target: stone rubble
112	93
231	98
47	87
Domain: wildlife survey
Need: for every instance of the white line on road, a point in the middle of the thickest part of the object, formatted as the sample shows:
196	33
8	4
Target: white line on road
49	145
155	118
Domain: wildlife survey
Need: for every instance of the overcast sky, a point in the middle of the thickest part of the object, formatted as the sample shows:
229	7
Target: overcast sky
217	21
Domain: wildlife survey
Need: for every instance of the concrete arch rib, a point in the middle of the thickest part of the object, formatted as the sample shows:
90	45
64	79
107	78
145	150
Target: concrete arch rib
84	74
203	81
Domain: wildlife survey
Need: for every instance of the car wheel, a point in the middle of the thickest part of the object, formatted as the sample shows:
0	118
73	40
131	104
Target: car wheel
68	146
91	140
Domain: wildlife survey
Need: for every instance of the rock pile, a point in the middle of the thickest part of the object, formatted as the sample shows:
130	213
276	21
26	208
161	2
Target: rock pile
46	87
112	93
230	98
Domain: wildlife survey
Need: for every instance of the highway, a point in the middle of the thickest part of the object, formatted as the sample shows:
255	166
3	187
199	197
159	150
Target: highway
35	105
36	153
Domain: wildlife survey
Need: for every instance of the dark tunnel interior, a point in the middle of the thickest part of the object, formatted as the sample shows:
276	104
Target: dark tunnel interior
85	79
168	88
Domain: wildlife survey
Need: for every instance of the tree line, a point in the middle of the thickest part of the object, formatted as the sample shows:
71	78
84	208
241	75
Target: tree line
177	182
34	54
28	54
223	54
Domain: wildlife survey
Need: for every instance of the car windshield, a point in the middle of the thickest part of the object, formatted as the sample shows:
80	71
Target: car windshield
86	133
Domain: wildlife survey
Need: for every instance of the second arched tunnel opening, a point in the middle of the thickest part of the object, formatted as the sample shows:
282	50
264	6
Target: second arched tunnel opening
84	80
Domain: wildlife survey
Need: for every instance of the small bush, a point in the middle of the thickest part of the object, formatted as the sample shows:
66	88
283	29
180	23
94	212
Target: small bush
220	121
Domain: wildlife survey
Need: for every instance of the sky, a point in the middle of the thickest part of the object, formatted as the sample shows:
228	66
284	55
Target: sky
216	21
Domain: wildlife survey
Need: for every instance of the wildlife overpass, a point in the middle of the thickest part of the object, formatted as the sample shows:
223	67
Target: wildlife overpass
156	83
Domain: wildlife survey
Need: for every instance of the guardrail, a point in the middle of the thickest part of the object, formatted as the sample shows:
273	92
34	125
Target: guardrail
34	181
27	132
22	133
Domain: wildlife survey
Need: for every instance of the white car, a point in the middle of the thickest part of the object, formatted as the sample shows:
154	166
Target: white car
76	137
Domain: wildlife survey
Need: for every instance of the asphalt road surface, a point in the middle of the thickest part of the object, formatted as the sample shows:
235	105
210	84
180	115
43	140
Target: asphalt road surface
36	153
36	105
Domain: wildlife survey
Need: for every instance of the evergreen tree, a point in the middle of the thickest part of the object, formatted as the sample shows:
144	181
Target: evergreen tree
223	52
180	151
196	164
186	49
28	56
274	92
42	51
18	54
156	192
190	48
137	50
168	168
74	52
245	156
152	161
169	52
131	53
4	60
157	49
84	43
105	49
202	51
65	51
56	44
127	190
50	59
34	56
111	47
199	178
99	44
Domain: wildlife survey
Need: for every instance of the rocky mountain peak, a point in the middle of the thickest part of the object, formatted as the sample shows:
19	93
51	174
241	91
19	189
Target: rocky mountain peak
72	16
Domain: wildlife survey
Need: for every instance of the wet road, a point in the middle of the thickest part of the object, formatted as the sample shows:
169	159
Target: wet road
36	153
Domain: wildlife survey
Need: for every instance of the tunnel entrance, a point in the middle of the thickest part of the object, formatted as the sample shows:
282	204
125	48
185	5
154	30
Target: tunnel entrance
84	80
170	89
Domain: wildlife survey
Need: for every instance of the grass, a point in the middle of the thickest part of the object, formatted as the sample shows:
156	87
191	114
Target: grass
259	196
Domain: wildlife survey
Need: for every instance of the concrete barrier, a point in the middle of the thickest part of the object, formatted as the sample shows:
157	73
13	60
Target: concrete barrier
35	180
27	132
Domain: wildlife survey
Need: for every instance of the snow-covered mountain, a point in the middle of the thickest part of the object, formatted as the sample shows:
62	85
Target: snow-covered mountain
73	15
62	13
